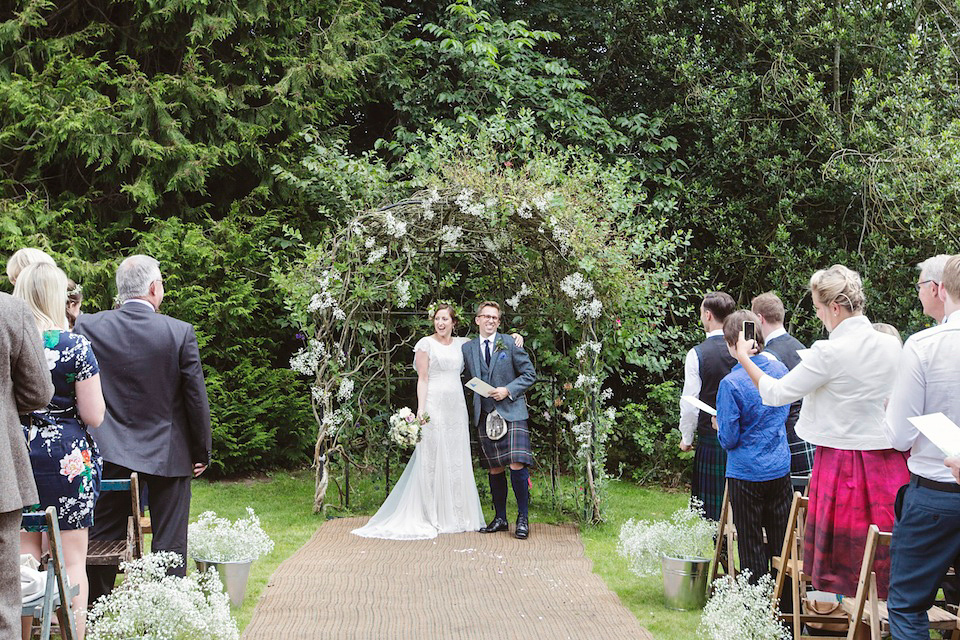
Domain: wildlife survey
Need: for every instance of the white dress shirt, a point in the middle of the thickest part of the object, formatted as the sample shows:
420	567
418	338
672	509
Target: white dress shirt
691	387
844	382
139	301
493	345
928	381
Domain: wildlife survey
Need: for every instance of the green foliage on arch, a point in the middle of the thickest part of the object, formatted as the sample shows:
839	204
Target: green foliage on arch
575	239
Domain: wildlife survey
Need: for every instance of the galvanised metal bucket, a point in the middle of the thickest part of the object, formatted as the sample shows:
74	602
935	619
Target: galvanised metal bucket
685	582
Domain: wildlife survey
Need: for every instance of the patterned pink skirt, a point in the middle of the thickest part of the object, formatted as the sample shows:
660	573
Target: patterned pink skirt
849	491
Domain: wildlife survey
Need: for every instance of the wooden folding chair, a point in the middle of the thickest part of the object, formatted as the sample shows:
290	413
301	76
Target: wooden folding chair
789	564
114	552
726	532
868	613
58	594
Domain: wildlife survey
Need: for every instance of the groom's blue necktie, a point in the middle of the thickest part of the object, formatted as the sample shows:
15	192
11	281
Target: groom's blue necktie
486	352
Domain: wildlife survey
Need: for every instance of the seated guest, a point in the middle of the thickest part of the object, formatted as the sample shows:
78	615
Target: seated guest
925	541
758	457
844	383
786	348
66	462
23	257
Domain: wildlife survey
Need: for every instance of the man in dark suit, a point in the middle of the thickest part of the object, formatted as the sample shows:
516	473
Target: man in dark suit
158	417
769	308
507	368
25	386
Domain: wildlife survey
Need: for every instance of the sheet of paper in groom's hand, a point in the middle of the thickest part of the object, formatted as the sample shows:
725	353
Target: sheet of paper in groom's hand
699	404
940	430
479	386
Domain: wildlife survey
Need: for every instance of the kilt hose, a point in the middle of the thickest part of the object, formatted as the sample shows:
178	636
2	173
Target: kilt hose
513	447
709	473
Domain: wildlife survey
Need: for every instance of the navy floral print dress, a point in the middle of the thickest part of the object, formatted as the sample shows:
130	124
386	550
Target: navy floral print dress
66	461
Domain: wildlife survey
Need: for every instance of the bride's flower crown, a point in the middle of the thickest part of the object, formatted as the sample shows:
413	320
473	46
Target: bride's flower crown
457	311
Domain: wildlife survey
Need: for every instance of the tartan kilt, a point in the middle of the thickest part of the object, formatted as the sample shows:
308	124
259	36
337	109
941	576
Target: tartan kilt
709	473
513	447
801	456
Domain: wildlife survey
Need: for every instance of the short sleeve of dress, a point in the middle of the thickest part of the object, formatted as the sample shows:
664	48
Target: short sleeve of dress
423	345
85	362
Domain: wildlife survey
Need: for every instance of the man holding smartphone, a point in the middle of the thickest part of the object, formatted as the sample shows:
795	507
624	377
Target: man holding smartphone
705	366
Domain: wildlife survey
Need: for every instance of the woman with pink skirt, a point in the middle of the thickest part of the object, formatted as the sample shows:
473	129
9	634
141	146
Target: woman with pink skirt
844	382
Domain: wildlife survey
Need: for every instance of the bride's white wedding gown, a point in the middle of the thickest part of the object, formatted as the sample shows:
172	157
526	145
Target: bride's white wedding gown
437	492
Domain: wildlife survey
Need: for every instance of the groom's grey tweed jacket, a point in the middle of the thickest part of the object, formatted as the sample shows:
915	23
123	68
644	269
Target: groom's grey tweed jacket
509	367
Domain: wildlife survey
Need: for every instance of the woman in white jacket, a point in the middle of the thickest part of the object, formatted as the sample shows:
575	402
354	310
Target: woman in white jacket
844	383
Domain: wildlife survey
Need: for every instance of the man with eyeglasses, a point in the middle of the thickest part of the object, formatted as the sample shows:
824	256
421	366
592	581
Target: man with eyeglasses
499	362
928	286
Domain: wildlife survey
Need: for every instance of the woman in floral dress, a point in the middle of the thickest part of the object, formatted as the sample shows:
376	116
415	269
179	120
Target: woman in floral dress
66	462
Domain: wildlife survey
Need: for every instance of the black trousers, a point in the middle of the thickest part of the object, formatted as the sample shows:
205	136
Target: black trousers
758	506
169	515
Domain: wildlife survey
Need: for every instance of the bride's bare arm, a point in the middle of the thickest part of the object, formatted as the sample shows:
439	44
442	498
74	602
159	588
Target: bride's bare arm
422	363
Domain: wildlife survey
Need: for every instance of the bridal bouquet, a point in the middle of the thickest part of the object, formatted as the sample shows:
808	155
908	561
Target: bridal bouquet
405	427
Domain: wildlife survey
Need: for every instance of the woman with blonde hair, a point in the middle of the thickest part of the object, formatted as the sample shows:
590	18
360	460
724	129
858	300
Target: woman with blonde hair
844	382
24	257
65	459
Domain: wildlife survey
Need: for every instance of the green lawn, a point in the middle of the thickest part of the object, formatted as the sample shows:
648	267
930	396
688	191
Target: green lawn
283	502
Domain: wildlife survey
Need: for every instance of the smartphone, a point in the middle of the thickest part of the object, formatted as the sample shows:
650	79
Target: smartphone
749	330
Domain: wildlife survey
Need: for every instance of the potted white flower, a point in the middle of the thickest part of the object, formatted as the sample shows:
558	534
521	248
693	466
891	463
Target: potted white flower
679	548
230	547
739	610
149	604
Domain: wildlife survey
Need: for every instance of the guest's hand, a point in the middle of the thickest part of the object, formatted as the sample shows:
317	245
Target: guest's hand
198	468
500	393
745	348
686	447
517	339
713	423
953	463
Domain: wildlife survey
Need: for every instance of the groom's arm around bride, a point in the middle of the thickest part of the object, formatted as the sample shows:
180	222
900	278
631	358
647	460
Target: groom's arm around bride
495	359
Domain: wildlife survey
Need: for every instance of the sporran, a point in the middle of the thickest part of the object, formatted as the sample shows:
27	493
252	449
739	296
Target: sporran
496	426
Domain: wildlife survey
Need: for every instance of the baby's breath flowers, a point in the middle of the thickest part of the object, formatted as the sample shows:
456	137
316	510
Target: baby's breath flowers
214	539
739	610
686	534
152	605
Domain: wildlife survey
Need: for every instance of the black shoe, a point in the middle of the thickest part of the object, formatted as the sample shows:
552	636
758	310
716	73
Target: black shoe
523	528
497	524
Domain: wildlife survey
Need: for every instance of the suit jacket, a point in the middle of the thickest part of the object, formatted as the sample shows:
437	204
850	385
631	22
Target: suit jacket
510	368
158	416
25	386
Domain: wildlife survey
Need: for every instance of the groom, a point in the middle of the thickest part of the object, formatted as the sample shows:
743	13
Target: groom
495	359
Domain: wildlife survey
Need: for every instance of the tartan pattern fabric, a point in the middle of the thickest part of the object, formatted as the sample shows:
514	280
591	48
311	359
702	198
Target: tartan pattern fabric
849	491
801	456
709	473
513	447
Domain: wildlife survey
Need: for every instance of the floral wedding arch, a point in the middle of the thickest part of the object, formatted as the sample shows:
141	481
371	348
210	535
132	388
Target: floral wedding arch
573	237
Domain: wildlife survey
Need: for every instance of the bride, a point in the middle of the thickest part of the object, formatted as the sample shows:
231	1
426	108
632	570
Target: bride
437	492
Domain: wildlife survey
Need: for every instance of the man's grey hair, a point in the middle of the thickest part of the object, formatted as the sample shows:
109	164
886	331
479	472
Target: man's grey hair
134	276
932	268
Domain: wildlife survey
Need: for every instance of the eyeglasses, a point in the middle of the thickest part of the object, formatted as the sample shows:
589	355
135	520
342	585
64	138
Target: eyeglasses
487	317
920	284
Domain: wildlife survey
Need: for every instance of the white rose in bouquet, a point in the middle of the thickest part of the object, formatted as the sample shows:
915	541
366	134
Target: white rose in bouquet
405	427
